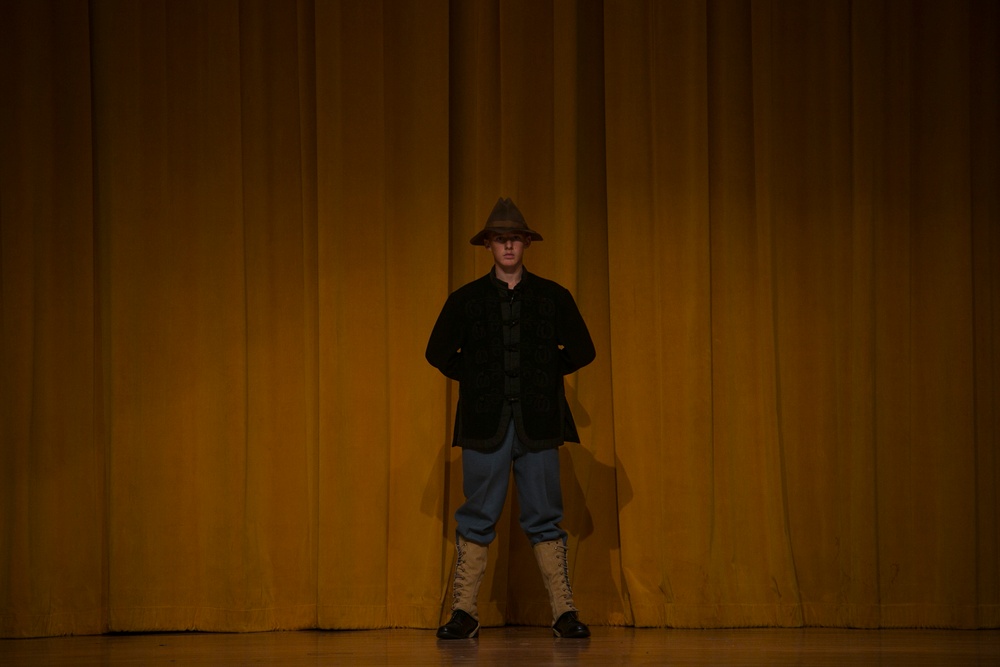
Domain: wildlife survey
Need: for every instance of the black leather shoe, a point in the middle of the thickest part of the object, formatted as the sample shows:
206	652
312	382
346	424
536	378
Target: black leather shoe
570	627
461	626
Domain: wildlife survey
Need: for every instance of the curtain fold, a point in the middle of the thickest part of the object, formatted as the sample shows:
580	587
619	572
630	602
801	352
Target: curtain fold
52	473
382	169
226	230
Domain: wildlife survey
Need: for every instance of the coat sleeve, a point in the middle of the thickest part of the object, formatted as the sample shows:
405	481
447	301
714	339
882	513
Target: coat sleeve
576	347
444	349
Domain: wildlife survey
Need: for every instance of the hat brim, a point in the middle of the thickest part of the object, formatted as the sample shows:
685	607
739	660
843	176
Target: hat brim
481	236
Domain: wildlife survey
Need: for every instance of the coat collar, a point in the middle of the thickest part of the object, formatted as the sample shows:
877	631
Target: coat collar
491	277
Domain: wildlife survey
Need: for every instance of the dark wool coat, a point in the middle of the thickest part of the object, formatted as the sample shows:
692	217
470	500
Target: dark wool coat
468	344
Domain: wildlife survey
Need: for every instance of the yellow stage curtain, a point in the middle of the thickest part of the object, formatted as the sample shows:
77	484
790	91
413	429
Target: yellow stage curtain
227	227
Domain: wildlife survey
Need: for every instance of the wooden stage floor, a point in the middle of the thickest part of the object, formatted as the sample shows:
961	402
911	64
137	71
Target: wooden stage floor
519	646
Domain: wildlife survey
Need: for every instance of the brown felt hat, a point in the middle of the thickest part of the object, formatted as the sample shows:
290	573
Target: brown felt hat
504	219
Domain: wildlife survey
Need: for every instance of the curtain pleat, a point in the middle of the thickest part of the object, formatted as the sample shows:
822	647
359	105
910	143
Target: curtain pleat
227	228
52	473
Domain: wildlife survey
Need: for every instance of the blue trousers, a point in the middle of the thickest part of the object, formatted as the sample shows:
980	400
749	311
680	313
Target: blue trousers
485	478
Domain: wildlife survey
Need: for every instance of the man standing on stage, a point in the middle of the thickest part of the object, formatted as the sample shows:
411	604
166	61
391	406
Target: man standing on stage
509	338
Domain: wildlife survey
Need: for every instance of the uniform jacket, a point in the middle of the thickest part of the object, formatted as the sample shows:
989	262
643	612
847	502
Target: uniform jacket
471	343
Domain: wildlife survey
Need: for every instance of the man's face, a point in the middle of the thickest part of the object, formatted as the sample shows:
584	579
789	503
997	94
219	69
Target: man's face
508	249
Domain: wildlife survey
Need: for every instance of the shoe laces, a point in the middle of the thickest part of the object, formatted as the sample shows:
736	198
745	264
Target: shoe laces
565	589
